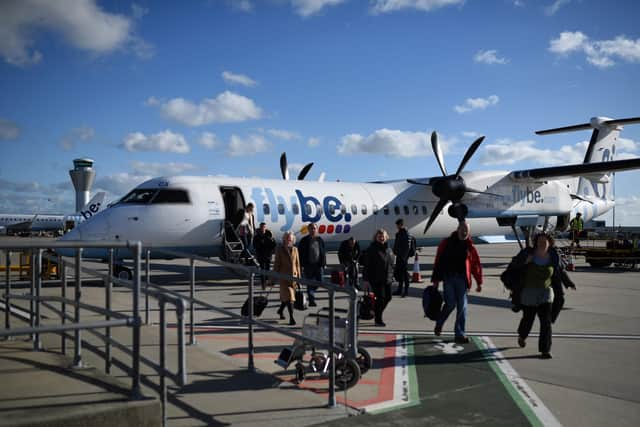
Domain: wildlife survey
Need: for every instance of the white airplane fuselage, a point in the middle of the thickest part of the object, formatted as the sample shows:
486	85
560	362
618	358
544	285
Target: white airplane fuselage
195	223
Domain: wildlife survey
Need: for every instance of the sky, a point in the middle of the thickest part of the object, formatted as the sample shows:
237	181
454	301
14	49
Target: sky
223	87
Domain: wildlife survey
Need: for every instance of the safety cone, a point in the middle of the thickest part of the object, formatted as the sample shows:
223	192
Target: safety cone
416	278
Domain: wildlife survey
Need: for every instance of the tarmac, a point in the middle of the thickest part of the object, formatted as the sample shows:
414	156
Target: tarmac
416	377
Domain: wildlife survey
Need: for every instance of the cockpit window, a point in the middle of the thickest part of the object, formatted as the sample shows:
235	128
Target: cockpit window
171	196
139	196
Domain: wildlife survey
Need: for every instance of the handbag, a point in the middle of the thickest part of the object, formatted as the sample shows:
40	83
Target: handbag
301	302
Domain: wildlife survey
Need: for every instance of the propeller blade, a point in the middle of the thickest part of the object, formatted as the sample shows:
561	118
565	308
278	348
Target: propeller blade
284	170
435	213
437	151
467	156
304	171
485	193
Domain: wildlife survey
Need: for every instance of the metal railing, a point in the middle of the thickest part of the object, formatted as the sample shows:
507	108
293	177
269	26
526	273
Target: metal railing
73	322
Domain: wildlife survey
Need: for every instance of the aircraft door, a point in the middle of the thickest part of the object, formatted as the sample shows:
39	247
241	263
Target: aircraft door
233	210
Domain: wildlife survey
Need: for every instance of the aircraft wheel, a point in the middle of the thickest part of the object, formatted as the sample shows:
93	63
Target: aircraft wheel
122	272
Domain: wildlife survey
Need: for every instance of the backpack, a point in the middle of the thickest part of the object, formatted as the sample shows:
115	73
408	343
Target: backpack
366	309
431	303
412	247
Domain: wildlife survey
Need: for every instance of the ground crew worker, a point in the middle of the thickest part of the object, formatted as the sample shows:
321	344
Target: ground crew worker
577	225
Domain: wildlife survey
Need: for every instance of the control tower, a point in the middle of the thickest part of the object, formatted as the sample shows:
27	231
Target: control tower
82	176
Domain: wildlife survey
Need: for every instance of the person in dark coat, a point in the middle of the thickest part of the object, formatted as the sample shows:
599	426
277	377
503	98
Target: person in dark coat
401	247
264	245
378	272
313	259
540	271
348	256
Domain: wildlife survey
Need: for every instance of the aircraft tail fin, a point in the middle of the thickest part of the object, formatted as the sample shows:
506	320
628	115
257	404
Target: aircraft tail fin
93	206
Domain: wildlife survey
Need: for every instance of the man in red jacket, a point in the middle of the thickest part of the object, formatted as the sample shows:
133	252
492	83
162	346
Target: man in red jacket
456	261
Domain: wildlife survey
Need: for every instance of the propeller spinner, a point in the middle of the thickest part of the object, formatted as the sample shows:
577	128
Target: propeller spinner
450	188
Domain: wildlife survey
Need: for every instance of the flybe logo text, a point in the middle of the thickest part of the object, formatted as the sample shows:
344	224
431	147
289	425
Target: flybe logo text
526	196
308	208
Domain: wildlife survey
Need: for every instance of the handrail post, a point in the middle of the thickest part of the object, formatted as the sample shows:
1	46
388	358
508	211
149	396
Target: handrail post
135	381
32	301
146	287
352	350
182	361
251	367
37	346
62	268
163	360
332	342
77	357
192	296
108	294
7	289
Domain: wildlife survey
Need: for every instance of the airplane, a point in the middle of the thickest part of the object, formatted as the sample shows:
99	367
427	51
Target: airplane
27	223
199	215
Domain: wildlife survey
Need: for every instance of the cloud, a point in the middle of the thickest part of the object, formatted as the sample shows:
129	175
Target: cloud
249	146
600	53
242	5
138	11
470	134
83	24
555	6
389	142
489	57
311	7
386	6
239	79
628	210
119	184
165	141
518	3
313	141
161	169
284	135
21	187
507	152
228	107
208	140
75	136
8	129
471	104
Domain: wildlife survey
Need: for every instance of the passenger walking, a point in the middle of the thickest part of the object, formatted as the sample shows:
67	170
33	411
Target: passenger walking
401	247
348	256
246	230
264	245
541	273
287	262
313	259
456	261
378	272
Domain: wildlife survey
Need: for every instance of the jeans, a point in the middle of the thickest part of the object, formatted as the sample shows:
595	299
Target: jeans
312	275
455	296
265	264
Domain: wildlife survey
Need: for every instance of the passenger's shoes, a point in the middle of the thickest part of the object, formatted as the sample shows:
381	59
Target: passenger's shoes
281	315
404	294
461	340
398	292
312	304
380	323
437	330
292	322
546	356
521	342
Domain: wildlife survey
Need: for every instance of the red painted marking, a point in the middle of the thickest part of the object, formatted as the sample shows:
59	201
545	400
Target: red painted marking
242	338
330	229
322	228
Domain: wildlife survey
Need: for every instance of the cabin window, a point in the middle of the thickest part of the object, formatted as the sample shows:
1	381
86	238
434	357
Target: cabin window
319	209
406	209
354	209
396	209
374	208
332	209
308	208
343	209
294	208
265	209
385	209
280	208
424	210
415	210
138	196
363	209
171	196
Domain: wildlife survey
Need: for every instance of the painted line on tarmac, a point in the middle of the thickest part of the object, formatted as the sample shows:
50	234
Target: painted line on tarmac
405	382
578	335
530	404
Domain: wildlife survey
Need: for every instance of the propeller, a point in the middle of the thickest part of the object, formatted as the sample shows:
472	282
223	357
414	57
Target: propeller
284	168
450	188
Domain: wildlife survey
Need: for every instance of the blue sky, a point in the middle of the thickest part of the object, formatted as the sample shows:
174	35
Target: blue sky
356	86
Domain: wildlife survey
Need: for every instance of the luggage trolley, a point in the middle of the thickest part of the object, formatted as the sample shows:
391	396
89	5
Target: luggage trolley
316	326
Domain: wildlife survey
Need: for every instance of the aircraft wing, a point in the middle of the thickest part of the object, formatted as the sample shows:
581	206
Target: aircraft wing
572	171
